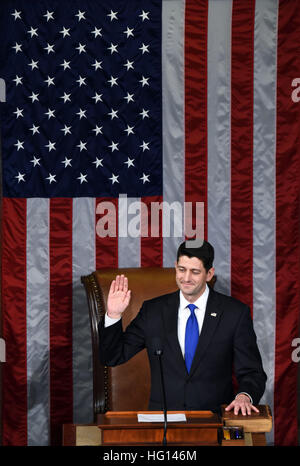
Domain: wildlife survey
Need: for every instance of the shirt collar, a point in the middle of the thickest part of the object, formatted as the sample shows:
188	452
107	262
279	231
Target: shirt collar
200	302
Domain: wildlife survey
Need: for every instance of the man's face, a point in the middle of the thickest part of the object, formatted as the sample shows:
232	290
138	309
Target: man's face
191	277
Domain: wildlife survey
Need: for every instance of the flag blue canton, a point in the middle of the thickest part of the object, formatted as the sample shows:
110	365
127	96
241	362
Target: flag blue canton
83	106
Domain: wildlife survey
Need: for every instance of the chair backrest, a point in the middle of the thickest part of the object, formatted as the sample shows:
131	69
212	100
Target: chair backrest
125	387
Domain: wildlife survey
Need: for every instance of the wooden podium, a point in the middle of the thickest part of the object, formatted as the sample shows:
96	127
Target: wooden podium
121	428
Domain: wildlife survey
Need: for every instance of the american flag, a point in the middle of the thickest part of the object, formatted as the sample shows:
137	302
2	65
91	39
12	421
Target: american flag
175	101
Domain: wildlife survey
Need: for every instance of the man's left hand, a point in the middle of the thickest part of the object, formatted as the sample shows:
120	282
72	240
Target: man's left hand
242	402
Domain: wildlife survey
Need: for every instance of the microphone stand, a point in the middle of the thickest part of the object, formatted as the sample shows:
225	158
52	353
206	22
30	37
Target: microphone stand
159	353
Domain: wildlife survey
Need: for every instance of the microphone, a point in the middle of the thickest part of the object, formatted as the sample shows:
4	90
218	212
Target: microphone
158	351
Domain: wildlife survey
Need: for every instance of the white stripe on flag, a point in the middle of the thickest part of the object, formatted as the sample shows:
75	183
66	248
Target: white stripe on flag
37	321
218	138
264	179
83	263
129	241
173	114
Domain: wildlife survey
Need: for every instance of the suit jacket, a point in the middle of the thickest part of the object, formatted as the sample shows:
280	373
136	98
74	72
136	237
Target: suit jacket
227	341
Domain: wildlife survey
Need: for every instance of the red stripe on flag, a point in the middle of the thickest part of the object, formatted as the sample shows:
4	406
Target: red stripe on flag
151	224
106	232
196	16
287	225
61	381
243	15
13	276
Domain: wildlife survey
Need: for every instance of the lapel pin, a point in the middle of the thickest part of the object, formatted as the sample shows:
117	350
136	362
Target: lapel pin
213	314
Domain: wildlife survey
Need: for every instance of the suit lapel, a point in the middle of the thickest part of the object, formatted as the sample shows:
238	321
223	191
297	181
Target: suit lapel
211	320
170	316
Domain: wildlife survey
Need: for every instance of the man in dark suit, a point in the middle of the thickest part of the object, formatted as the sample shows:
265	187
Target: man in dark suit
204	336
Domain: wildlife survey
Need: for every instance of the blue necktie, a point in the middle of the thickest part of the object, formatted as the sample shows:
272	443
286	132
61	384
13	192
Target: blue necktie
191	337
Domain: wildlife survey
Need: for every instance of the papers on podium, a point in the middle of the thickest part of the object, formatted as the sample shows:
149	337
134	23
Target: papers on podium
177	417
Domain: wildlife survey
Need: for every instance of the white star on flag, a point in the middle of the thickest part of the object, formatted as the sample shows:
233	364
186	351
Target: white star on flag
113	48
51	178
144	48
50	113
113	15
129	32
114	146
80	15
33	32
66	64
144	113
82	146
97	65
18	80
129	162
81	113
19	112
97	97
49	48
129	65
81	48
66	97
35	161
49	81
34	129
66	130
65	32
97	32
145	178
129	97
34	97
114	178
145	146
82	178
16	14
33	65
98	162
144	81
17	47
113	81
98	130
49	15
144	15
81	81
20	177
19	145
129	130
50	146
113	114
67	162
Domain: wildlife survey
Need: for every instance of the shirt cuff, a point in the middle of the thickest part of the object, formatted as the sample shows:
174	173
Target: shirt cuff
108	321
245	393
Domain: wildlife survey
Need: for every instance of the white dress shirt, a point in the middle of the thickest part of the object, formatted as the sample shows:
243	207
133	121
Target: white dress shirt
110	320
184	313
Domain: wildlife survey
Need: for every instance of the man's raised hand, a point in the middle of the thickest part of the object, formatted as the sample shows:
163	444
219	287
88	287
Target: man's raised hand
118	297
